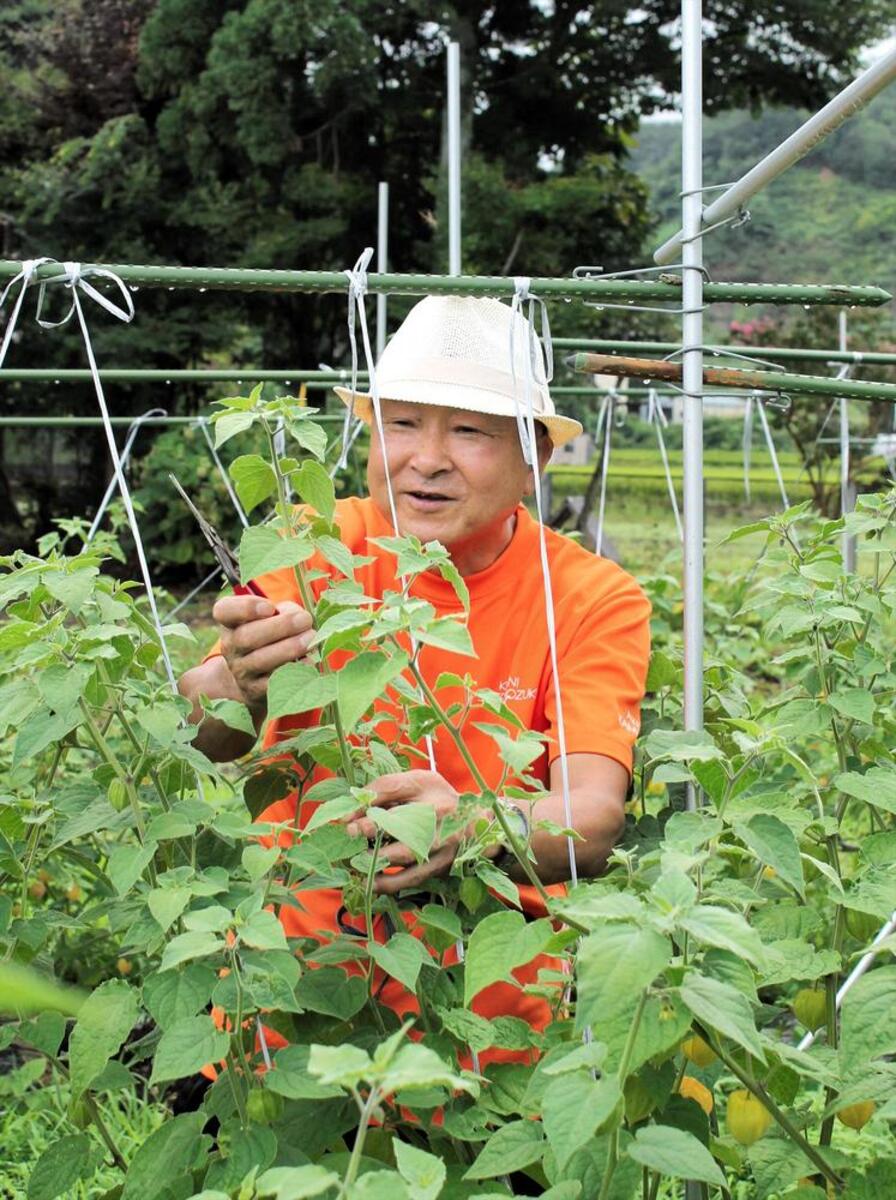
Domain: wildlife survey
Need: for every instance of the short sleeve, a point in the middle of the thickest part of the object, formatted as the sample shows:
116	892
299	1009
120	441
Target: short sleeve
603	654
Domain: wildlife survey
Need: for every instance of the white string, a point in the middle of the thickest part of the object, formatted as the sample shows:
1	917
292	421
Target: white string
25	275
769	441
74	280
747	444
133	430
240	511
357	289
526	426
604	472
656	414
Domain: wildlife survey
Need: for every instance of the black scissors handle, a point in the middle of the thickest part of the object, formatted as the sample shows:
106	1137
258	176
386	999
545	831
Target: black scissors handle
227	560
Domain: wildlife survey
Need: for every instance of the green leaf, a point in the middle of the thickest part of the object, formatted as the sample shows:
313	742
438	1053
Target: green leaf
723	1008
258	860
228	424
345	1065
774	844
23	990
195	944
126	865
172	995
60	1167
364	678
776	1162
231	713
167	903
105	1019
291	1078
18	699
401	957
679	746
614	967
247	1150
254	480
416	1066
295	1183
868	1030
314	485
512	1148
308	434
63	684
73	588
721	927
328	990
876	787
448	634
574	1107
299	687
187	1046
499	943
424	1174
855	703
670	1151
263	549
166	1153
412	824
263	932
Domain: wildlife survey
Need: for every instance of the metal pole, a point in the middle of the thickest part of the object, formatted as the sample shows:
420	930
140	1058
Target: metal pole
816	129
847	497
454	154
311	379
692	363
382	262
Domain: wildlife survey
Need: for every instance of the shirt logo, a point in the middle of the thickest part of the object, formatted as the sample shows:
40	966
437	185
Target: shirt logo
629	722
510	690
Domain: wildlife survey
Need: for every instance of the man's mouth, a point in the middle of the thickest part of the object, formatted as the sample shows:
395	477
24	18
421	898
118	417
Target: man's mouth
427	498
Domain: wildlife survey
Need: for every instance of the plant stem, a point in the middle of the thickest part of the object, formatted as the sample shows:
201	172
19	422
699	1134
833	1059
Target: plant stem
354	1162
95	1117
511	839
621	1076
755	1087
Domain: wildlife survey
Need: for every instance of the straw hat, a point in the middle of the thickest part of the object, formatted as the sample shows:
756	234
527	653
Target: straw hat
455	351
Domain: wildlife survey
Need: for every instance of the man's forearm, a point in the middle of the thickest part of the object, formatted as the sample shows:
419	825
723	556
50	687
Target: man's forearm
598	819
216	740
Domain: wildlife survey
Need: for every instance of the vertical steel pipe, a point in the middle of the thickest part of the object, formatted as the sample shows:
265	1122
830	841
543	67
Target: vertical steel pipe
382	262
847	499
692	359
454	157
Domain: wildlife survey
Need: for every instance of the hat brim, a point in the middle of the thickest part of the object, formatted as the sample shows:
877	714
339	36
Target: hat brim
445	395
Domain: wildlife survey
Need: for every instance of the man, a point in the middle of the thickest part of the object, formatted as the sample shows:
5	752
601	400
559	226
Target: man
458	475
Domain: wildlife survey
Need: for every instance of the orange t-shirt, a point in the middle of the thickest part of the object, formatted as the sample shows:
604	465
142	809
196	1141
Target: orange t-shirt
603	638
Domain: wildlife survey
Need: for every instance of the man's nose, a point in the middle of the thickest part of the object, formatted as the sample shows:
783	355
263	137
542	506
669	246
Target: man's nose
430	454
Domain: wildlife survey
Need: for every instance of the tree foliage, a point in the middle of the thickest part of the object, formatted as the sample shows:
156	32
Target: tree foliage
245	132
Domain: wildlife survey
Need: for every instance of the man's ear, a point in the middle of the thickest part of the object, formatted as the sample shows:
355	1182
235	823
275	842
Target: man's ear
544	448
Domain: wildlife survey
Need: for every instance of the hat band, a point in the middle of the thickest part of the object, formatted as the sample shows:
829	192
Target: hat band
461	373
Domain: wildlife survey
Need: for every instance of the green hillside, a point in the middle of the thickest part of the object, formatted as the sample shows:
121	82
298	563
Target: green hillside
829	219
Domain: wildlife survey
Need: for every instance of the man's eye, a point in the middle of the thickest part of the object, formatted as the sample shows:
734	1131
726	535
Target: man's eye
470	429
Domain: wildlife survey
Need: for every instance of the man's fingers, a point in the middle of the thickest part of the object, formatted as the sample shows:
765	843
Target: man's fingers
232	611
266	631
261	663
399	787
438	864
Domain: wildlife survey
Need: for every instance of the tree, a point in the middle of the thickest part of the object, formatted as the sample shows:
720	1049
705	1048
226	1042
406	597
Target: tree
254	131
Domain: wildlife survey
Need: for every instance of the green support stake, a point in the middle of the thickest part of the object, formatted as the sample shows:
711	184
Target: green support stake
313	380
611	291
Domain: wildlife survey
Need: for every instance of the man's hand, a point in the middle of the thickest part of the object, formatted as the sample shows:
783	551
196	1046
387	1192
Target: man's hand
412	787
256	639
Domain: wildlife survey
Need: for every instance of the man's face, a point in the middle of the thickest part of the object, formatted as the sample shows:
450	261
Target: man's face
457	476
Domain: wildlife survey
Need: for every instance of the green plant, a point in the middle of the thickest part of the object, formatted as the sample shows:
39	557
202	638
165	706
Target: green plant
705	924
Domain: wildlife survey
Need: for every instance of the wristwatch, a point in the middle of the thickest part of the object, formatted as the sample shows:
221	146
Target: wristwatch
518	821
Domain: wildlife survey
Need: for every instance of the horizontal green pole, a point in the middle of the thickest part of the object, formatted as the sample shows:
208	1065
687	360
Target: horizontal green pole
609	290
875	357
199	375
769	381
62	422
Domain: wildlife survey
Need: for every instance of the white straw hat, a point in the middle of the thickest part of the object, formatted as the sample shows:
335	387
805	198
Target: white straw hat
455	351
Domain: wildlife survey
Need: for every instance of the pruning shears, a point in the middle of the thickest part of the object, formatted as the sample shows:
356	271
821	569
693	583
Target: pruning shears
227	560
